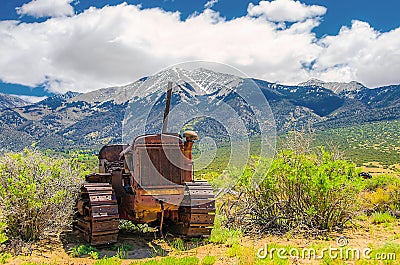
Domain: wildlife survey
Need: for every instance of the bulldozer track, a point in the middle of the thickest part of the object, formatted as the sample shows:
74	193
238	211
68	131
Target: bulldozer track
97	214
198	210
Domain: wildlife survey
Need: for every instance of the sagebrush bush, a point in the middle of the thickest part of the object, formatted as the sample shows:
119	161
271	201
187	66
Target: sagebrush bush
301	191
37	192
382	194
382	181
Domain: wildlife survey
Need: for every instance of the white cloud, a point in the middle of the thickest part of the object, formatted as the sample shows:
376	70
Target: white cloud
115	45
46	8
210	3
361	53
285	10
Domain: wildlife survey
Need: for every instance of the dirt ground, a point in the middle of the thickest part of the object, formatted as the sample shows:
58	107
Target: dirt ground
55	248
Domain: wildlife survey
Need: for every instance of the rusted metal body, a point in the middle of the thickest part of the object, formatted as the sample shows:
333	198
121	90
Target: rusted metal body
147	181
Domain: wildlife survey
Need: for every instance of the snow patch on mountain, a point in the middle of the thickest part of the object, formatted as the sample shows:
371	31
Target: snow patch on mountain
336	87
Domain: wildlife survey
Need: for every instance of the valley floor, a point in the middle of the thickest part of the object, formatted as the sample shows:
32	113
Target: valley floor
375	243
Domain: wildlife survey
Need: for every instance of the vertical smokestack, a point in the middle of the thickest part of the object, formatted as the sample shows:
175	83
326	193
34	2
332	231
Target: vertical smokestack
190	136
167	105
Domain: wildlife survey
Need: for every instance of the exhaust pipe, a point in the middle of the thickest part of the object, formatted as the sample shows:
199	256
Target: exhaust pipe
167	106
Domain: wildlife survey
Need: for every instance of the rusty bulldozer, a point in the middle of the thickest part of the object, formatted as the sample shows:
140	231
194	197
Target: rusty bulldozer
148	181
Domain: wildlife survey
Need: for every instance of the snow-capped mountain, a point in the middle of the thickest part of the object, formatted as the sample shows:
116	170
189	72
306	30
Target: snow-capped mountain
113	115
10	101
336	87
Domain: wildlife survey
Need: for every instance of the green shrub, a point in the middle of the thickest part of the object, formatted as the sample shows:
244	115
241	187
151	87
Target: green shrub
391	247
223	235
129	226
83	250
178	244
94	255
208	260
156	251
3	236
122	251
126	247
301	191
37	192
379	218
4	257
381	181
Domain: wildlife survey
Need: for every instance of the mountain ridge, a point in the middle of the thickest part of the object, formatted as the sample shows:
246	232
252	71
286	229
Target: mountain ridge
336	87
89	120
11	101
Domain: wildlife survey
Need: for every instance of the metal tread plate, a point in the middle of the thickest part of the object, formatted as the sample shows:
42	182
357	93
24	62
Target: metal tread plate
198	213
100	223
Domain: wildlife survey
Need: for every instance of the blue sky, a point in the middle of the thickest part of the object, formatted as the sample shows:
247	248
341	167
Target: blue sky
52	46
382	15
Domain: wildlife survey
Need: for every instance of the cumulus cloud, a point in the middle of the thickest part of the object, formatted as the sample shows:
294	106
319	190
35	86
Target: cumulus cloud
116	45
361	53
285	10
210	3
47	8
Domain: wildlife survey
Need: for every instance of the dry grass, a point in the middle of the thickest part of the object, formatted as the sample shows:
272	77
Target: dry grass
375	168
362	234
